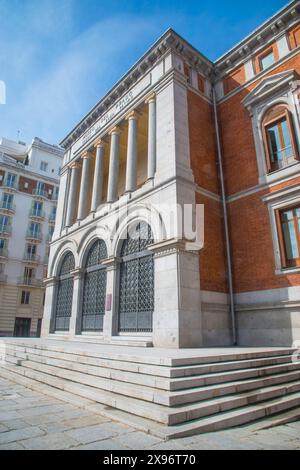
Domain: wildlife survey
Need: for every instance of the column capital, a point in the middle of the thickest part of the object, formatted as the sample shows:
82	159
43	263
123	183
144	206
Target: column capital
132	115
75	165
115	130
77	273
151	98
86	155
99	143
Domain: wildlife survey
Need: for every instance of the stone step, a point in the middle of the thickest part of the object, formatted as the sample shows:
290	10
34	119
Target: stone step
174	358
234	418
163	397
155	381
223	419
158	371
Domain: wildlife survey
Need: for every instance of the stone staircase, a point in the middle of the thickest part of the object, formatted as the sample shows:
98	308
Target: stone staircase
166	396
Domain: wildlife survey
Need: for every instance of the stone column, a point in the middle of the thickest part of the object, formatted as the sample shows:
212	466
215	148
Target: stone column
98	176
113	165
84	186
131	152
151	136
75	167
110	324
74	327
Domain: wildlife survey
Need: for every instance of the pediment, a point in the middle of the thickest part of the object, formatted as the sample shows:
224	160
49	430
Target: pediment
270	86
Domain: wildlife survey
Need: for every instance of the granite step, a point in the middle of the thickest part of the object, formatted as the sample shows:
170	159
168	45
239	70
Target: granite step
155	381
163	397
145	369
222	415
138	356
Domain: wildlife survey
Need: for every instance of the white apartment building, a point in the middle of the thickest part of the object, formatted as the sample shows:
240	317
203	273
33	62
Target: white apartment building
29	183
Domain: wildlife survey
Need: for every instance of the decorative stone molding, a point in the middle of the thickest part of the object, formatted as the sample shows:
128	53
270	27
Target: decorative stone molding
50	281
112	263
169	247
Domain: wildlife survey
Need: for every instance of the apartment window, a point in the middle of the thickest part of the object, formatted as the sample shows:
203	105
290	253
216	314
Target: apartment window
289	236
40	188
34	229
266	60
11	180
25	297
4	223
2	246
44	166
30	252
28	273
2	268
279	136
37	209
7	201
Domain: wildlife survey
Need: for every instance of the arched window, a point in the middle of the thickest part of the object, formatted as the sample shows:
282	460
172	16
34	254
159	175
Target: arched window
279	138
64	296
136	301
94	288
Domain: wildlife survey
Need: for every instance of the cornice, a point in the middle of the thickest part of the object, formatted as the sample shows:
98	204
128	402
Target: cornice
170	41
268	31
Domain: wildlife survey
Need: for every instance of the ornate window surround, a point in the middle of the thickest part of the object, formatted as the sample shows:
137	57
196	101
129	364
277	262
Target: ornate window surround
278	89
278	201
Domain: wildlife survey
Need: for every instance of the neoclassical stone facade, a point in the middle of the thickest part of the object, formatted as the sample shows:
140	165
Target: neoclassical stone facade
180	131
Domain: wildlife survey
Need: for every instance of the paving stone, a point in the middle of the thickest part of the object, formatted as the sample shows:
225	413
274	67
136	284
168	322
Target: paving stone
3	428
106	444
58	441
41	410
13	424
7	415
12	446
138	440
84	421
20	434
94	433
168	445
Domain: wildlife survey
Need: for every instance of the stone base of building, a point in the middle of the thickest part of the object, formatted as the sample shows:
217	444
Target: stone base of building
167	392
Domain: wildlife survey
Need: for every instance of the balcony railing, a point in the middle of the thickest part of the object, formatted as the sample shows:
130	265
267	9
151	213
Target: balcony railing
40	192
5	229
3	277
38	214
30	281
31	257
52	218
34	235
3	252
7	206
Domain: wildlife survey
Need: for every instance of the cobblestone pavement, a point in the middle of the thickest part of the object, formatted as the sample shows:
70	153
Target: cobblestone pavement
30	420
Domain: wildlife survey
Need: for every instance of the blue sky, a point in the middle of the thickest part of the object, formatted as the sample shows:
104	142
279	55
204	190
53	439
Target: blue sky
58	57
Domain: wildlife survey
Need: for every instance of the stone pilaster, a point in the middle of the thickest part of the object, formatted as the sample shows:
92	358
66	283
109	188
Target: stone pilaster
131	165
151	168
110	323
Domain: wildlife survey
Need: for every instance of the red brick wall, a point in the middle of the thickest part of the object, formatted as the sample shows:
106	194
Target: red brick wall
250	230
234	79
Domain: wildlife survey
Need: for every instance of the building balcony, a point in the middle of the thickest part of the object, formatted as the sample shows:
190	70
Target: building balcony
4	253
9	185
34	236
3	278
29	281
5	230
40	193
31	258
7	208
38	215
